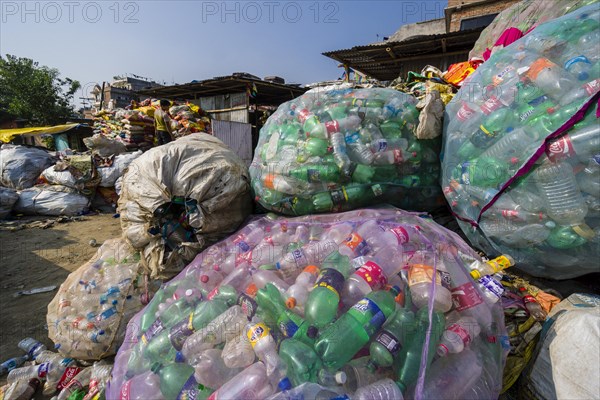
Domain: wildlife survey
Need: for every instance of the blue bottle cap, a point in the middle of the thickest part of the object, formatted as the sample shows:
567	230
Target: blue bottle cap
284	384
179	358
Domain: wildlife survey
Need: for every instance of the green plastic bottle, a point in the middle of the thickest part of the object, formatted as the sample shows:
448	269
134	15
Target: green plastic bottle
302	362
391	129
316	147
317	173
340	341
149	316
388	341
177	382
483	172
408	362
564	237
302	206
363	173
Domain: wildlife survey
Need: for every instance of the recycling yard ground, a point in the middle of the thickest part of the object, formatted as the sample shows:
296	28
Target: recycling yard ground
34	257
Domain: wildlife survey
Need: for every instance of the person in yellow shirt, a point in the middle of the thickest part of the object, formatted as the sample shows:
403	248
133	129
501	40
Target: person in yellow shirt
162	124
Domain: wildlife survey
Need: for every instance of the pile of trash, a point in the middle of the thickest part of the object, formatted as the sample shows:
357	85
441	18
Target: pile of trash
372	303
133	128
520	160
336	150
178	198
54	373
188	118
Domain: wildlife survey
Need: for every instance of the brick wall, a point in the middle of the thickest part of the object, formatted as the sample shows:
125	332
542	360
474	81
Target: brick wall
490	7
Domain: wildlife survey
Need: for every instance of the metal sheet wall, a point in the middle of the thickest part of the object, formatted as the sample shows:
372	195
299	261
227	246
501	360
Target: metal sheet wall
236	135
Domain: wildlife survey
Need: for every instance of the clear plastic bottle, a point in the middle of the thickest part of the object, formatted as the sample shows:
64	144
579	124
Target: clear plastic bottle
327	378
453	377
266	350
513	144
22	390
25	373
262	277
384	389
369	277
559	190
211	371
420	279
32	347
583	142
458	335
307	390
297	294
549	77
533	307
481	268
238	352
513	234
80	381
340	153
251	383
589	178
12	363
142	387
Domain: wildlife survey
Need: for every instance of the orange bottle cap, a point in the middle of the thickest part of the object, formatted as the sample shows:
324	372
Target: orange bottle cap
252	289
290	302
312	269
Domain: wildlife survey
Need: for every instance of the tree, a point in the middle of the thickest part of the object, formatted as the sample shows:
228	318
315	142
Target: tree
34	92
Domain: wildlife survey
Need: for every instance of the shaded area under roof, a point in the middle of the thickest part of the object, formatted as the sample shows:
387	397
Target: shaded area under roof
386	61
268	93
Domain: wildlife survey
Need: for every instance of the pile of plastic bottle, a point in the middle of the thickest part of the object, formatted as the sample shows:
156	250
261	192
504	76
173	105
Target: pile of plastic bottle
84	318
340	149
56	373
358	304
531	187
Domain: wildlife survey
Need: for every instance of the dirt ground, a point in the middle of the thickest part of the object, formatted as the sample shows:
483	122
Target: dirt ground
35	257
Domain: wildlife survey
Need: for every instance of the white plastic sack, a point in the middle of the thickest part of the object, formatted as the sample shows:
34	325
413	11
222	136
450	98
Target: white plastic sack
20	166
51	200
198	167
109	175
8	198
64	178
103	146
566	366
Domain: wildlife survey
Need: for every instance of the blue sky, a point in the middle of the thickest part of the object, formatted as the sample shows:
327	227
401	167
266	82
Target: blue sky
179	41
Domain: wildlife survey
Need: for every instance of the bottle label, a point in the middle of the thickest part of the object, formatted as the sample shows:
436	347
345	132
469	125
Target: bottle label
181	331
492	285
373	274
339	197
499	78
491	104
357	244
501	262
420	273
303	115
257	332
212	293
465	112
299	257
529	299
592	87
189	391
367	306
43	370
537	66
401	234
248	305
313	175
154	329
287	326
465	297
560	148
461	332
332	126
380	145
94	389
377	190
125	391
331	279
575	60
67	379
269	181
243	246
388	340
353	138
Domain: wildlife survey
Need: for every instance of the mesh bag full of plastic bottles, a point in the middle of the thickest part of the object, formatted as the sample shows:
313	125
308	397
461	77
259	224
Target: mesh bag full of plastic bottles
521	158
339	149
366	301
87	317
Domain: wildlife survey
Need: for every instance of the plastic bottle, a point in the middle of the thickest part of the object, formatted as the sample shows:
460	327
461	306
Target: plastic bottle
340	153
317	173
458	335
533	307
514	144
26	373
211	371
297	294
12	363
142	387
176	380
388	341
558	188
238	352
32	347
262	277
303	364
581	92
53	366
453	377
359	151
420	279
327	378
514	235
381	390
583	142
306	390
100	373
265	348
343	125
227	325
479	269
252	383
549	77
340	341
80	381
22	390
408	362
369	277
589	178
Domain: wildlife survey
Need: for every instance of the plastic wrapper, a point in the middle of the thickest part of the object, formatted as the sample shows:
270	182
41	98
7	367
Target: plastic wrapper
109	175
335	150
8	198
178	198
20	166
524	15
522	144
88	316
283	302
51	200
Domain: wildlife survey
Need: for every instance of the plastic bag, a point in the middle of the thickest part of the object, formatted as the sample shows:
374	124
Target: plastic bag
20	166
201	179
340	149
519	183
564	365
51	200
109	175
64	178
8	197
372	271
524	15
87	317
103	146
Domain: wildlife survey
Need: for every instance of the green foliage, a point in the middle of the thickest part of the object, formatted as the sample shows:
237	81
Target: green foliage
34	92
